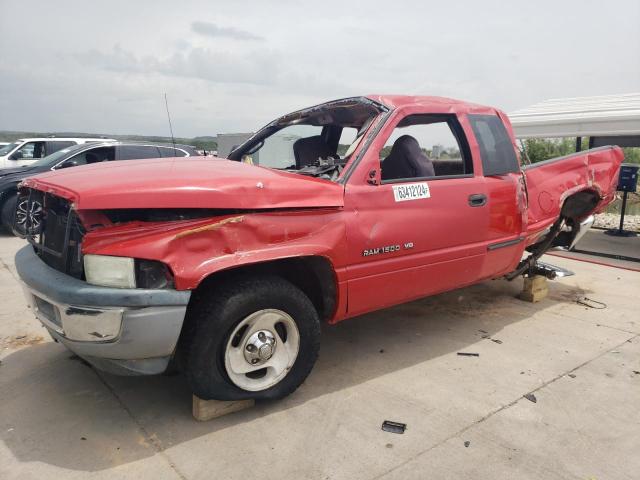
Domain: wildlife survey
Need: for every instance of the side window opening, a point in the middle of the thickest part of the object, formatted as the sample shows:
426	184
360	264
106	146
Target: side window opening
30	151
496	150
425	146
56	145
137	152
95	155
170	152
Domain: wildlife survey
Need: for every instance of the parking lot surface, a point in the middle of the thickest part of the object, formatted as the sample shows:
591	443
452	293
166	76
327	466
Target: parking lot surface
466	416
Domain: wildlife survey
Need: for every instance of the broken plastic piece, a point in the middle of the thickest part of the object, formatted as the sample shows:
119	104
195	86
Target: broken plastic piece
393	427
531	397
467	354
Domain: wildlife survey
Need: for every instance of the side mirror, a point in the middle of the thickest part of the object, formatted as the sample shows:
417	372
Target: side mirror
372	177
69	163
16	156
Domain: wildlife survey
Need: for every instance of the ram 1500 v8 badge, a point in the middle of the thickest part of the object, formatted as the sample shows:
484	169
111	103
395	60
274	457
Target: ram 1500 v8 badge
229	266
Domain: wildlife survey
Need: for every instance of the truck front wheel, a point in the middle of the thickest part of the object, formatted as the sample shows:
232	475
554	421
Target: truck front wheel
255	338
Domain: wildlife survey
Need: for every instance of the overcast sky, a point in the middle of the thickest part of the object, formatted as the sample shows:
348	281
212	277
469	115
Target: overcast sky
103	66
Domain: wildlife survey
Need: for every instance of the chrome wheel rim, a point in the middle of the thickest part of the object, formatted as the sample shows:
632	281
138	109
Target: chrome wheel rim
33	212
261	350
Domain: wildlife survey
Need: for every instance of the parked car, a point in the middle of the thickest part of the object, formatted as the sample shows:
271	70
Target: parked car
230	266
25	151
76	155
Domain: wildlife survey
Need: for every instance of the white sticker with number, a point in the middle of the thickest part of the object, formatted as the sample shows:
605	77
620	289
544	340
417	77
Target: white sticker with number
411	191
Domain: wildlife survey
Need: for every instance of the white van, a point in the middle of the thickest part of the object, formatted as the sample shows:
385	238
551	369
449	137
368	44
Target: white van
25	151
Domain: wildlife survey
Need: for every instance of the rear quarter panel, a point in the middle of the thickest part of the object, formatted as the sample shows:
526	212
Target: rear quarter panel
550	182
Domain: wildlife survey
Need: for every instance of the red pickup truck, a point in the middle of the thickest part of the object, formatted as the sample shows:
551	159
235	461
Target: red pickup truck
229	266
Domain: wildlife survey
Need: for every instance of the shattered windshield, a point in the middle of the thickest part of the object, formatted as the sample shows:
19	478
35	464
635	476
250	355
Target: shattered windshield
317	141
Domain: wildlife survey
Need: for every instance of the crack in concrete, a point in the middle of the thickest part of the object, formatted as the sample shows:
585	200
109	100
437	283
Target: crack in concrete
502	408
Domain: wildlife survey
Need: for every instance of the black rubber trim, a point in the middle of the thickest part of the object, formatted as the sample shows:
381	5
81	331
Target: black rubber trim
65	289
508	243
424	179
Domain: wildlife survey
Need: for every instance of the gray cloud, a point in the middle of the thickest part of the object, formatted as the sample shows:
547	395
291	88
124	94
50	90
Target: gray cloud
219	77
212	30
254	67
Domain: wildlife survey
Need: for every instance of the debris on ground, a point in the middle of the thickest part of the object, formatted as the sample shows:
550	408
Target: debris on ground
485	335
467	443
393	427
468	354
20	341
531	397
591	303
572	375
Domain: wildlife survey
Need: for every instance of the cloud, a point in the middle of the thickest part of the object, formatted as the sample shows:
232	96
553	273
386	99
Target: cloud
259	67
212	30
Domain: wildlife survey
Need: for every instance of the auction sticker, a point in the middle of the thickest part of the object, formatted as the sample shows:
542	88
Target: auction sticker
411	191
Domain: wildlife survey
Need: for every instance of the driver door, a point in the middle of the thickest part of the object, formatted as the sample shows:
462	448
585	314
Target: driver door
413	237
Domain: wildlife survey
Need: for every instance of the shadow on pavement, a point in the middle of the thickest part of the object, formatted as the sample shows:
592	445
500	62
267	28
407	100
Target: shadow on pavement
57	410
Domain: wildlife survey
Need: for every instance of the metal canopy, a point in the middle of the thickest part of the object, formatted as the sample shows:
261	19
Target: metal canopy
607	115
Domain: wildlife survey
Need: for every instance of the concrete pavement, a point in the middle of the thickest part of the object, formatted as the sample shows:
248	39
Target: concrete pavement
61	419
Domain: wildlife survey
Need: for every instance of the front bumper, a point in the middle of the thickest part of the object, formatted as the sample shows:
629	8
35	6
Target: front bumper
124	331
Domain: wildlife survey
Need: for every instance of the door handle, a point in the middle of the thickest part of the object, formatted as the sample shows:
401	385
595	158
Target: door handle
477	199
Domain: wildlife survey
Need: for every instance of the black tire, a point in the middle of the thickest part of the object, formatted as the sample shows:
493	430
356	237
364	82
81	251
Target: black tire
7	213
212	318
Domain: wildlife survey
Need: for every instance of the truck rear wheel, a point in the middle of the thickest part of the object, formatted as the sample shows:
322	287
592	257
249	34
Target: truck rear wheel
256	338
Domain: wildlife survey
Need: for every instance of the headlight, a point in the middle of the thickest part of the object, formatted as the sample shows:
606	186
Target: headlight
110	271
125	272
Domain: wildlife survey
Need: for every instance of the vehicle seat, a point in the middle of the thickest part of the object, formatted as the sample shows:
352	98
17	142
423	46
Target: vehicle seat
307	150
406	160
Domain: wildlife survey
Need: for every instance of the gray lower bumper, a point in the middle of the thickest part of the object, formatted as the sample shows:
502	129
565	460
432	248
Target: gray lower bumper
126	331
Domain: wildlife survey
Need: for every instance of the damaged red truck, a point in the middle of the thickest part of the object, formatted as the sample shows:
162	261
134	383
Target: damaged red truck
230	266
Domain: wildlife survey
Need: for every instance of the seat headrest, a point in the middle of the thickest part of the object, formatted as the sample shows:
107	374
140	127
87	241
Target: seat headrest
406	160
